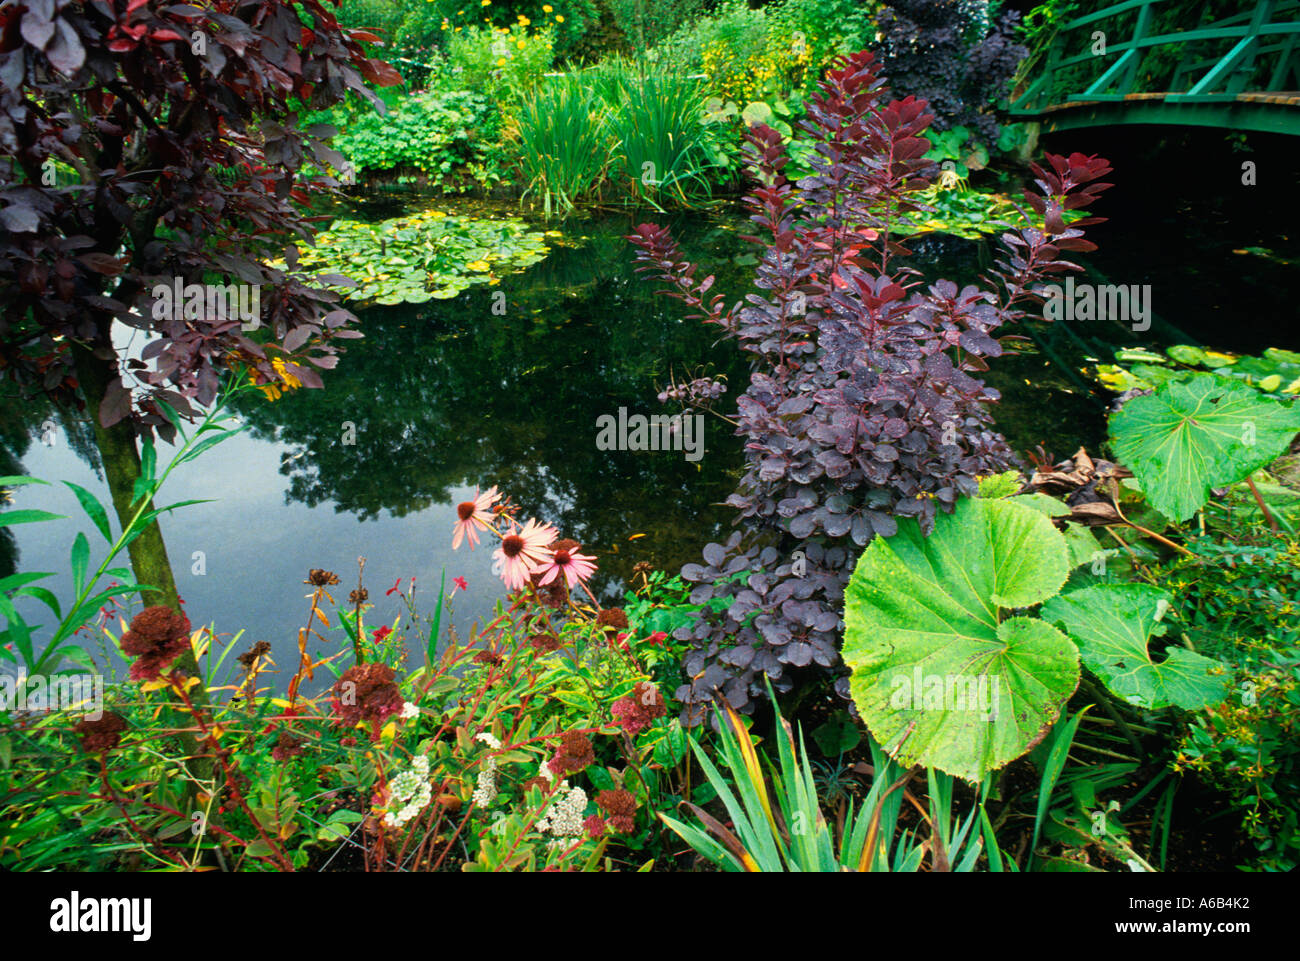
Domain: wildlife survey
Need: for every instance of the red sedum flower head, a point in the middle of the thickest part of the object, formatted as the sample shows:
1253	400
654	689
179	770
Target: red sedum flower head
366	692
157	637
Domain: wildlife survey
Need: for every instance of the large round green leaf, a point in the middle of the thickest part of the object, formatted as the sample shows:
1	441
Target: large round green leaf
943	674
1191	435
1113	624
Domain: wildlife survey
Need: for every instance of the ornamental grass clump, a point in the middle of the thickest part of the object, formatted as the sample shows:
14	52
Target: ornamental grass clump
863	404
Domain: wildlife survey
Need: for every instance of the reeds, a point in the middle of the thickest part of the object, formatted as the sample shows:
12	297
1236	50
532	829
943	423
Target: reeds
626	130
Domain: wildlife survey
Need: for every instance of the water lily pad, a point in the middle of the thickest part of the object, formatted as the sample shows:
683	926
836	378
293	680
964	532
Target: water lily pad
422	256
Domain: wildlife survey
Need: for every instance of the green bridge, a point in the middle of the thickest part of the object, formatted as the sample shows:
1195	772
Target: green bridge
1191	62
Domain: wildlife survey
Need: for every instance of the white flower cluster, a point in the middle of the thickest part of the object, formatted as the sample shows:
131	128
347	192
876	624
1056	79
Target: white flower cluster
409	793
564	817
409	711
485	788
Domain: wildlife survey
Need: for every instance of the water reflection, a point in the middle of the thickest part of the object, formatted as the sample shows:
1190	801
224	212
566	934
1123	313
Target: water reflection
444	397
448	394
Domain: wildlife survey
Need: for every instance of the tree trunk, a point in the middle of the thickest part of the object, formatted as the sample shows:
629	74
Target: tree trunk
148	553
121	460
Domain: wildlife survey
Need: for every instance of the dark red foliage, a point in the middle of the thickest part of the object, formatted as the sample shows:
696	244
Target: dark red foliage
935	49
157	637
179	123
862	405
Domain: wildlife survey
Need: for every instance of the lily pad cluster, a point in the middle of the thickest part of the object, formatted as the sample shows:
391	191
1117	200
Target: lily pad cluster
969	214
425	256
1275	371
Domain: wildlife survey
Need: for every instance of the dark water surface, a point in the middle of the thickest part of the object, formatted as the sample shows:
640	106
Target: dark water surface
447	397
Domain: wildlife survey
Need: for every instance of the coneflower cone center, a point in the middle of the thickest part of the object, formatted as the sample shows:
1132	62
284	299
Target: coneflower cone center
465	510
511	545
561	557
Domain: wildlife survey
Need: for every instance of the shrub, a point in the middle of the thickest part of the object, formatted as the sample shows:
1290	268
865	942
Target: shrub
929	50
452	139
862	405
504	62
1239	601
647	22
499	752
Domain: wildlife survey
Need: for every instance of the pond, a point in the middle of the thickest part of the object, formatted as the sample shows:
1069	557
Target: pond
448	396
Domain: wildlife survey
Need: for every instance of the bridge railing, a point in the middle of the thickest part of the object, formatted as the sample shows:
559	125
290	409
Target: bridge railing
1150	47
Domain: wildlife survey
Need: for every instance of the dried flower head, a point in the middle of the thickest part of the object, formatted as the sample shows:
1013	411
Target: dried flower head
488	657
595	827
101	736
157	636
639	709
620	806
319	578
539	782
250	656
554	595
575	754
287	746
366	692
612	619
359	596
545	642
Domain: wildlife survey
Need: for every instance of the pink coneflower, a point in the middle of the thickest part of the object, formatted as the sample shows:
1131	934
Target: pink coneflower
474	516
522	551
566	560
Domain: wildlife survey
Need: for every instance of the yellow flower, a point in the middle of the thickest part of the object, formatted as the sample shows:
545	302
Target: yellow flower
485	3
480	265
520	44
524	21
501	62
547	8
458	29
559	19
283	372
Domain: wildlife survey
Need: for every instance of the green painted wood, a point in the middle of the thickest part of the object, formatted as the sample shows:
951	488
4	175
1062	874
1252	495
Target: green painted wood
1286	66
1233	115
1267	29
